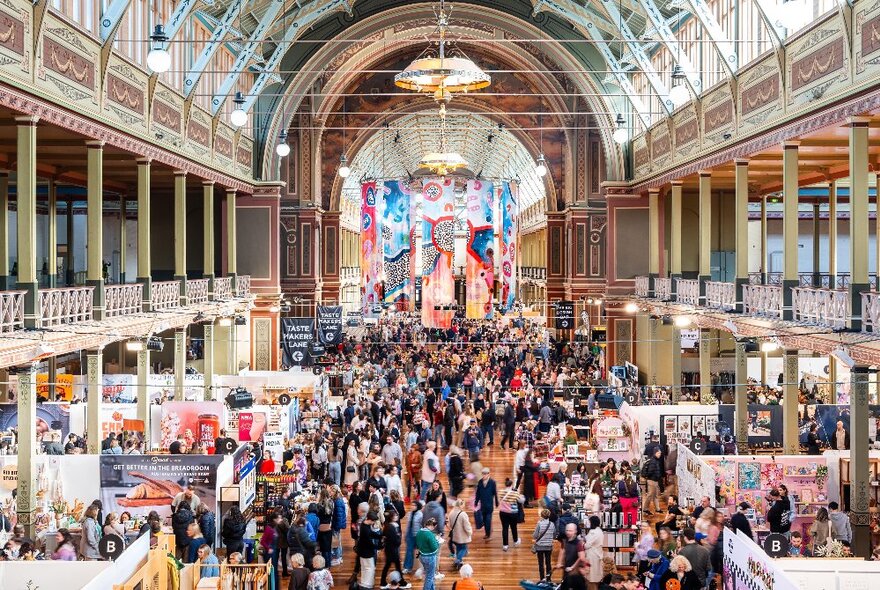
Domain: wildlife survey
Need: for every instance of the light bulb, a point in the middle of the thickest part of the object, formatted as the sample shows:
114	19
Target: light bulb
159	60
679	95
344	170
620	135
682	321
238	117
631	307
541	166
769	346
282	149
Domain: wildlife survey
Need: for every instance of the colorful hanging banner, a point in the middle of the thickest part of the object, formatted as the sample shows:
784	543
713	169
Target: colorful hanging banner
396	243
370	256
438	248
413	222
480	270
509	246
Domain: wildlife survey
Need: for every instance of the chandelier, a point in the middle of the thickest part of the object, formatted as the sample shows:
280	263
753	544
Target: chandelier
441	74
442	163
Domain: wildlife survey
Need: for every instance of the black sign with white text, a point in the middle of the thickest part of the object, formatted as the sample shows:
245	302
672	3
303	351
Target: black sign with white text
297	335
564	315
330	324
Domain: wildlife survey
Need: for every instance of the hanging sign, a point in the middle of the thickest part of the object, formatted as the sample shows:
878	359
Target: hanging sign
297	335
564	315
330	324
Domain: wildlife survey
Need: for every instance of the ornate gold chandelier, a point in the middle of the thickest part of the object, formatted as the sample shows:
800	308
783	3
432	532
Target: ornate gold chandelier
441	74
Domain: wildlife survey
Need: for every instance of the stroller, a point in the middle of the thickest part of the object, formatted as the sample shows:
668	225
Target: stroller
542	585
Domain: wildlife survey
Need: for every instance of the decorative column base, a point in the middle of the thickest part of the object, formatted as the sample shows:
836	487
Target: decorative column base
703	280
740	284
652	286
210	278
147	283
787	286
31	304
855	298
97	299
183	297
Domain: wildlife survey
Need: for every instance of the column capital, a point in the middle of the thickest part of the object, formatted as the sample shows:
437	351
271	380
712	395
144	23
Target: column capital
858	121
705	173
207	183
654	190
95	144
27	121
146	161
180	173
741	162
791	145
231	192
676	182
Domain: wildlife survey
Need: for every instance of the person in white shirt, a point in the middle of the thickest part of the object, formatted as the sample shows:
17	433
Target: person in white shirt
392	480
554	493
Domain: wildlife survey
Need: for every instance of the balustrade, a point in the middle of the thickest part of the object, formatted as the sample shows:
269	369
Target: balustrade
165	295
763	300
243	286
871	311
120	300
721	295
824	307
687	291
65	306
197	291
11	311
663	289
223	288
642	283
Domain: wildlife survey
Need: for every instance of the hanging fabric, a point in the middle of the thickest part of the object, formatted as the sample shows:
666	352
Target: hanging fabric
397	243
509	246
438	248
369	254
480	269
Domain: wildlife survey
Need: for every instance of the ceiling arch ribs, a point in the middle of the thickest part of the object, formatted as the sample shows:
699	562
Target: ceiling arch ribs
723	47
581	17
110	19
178	18
293	27
191	79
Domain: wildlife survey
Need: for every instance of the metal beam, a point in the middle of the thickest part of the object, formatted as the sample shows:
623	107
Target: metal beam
191	79
305	16
178	18
580	17
692	74
772	22
111	17
725	49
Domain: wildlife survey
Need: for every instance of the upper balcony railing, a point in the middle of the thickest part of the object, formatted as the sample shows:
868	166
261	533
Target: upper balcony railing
243	286
871	311
763	300
11	311
721	295
65	306
222	288
121	300
165	295
534	272
663	288
642	283
809	279
350	273
687	291
197	291
823	307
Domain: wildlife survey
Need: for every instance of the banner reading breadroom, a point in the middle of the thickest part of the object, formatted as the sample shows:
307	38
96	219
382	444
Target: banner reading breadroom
297	335
330	324
141	483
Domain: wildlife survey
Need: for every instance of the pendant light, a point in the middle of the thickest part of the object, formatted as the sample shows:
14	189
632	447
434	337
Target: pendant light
541	163
158	59
621	134
344	171
283	148
238	117
678	94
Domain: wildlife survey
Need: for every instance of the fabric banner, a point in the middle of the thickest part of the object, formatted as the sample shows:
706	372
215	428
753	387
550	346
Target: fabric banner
480	269
330	324
370	261
509	254
564	315
397	243
296	340
695	478
438	249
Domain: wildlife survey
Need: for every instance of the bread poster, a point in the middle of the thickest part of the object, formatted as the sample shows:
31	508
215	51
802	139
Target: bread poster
141	483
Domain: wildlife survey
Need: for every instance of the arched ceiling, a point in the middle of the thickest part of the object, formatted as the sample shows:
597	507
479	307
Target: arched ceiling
490	151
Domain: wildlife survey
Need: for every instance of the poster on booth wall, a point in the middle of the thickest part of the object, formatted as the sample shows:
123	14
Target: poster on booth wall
193	421
50	416
297	335
63	386
119	388
141	483
274	443
114	416
247	426
330	324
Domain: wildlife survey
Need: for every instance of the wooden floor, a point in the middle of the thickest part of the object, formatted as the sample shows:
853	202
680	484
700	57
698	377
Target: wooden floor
494	568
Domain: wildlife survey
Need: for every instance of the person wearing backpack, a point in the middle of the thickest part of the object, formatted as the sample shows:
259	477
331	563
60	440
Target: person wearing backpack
778	515
542	546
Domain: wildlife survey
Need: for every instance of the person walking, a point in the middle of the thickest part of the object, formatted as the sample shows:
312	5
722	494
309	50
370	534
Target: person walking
460	532
392	540
429	549
412	528
233	531
542	546
653	473
368	539
430	468
510	511
485	501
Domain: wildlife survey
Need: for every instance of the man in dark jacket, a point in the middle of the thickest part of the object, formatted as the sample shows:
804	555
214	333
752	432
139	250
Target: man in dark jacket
488	422
778	516
367	542
697	554
739	522
509	421
653	473
486	499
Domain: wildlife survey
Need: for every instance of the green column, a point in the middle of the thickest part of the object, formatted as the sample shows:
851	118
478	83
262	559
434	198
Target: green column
179	363
790	432
180	231
676	364
705	229
858	217
741	173
210	393
231	238
52	223
860	479
26	212
26	498
95	233
95	379
740	399
208	235
6	282
790	278
706	396
145	268
143	394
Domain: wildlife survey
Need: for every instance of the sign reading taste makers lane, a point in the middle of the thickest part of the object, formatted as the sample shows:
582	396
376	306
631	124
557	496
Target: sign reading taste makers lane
297	335
564	315
330	324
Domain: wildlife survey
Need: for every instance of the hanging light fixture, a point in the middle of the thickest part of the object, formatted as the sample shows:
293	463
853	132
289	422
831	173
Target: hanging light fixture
442	163
541	166
283	148
441	74
793	14
541	162
621	134
238	117
158	59
344	171
678	94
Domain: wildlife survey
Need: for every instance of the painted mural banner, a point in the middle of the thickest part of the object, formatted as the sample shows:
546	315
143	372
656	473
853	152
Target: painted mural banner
397	252
480	255
438	249
370	254
509	245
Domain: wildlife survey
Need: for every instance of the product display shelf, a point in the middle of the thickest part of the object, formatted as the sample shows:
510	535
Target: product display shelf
269	490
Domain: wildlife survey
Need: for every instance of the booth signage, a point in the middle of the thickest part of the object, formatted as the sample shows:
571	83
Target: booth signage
111	547
247	484
330	324
297	335
564	315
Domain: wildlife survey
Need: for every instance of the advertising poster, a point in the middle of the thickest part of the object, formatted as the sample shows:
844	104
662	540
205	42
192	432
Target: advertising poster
296	339
194	421
50	416
161	386
113	417
244	475
141	483
249	426
330	324
63	386
274	443
119	388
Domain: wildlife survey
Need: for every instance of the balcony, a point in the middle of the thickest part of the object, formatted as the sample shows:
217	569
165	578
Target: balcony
243	286
197	291
222	288
122	300
721	295
11	311
823	307
687	291
65	306
165	295
642	286
763	301
350	274
663	289
538	273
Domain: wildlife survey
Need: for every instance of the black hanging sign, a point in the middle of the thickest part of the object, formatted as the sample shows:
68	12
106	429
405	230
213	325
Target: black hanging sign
564	315
297	335
330	324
